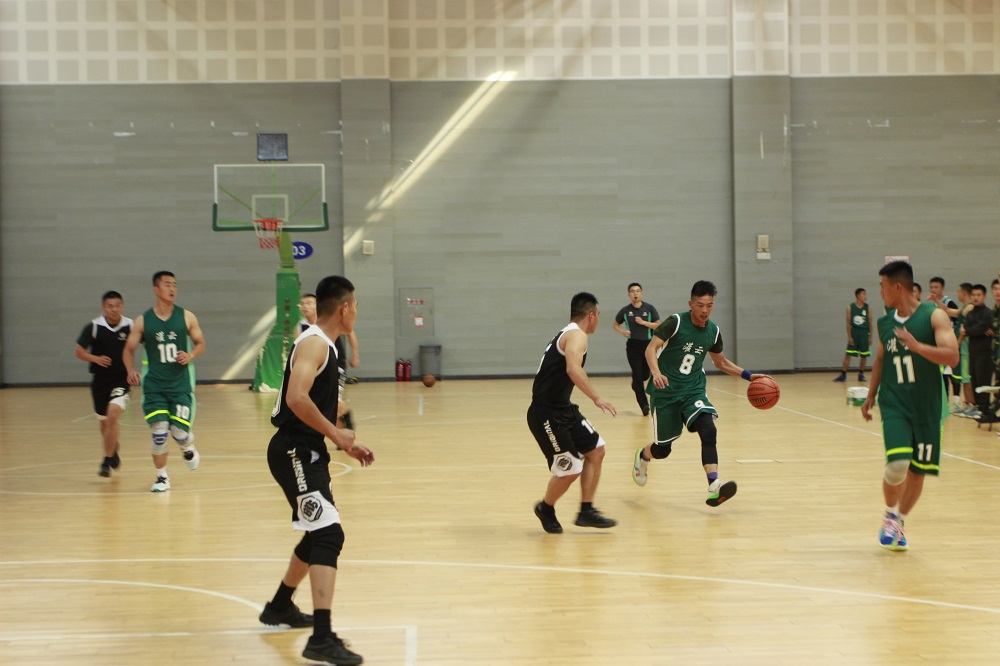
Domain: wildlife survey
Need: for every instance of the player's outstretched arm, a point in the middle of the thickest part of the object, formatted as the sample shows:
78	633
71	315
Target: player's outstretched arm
875	378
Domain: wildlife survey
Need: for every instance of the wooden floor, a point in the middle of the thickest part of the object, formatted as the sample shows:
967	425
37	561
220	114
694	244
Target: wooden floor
445	563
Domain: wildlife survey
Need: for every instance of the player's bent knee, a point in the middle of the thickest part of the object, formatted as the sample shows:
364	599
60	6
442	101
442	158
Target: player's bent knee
895	471
660	451
566	464
327	542
303	550
180	435
159	433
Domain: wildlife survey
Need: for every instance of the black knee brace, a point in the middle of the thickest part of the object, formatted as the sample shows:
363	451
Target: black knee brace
327	542
704	425
303	551
660	451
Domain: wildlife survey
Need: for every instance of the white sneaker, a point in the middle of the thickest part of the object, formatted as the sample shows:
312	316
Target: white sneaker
639	469
191	457
162	484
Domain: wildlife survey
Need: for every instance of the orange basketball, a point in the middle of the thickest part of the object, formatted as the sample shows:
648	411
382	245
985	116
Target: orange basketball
763	393
429	380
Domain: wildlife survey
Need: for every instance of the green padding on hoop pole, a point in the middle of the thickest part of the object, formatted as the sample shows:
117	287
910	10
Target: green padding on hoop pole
271	360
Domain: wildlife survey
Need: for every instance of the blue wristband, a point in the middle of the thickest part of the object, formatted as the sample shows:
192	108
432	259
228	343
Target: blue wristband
746	375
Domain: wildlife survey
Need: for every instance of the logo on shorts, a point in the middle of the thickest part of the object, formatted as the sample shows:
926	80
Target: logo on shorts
117	392
310	507
563	462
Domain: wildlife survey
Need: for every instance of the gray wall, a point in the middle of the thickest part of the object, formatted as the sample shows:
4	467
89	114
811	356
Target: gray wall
889	166
554	188
83	211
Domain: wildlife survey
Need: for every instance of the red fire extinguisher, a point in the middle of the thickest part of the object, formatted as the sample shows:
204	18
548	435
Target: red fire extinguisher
407	370
399	369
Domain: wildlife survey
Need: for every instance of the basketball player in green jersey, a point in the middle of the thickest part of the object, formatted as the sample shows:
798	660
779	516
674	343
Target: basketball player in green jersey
915	340
675	356
859	335
166	332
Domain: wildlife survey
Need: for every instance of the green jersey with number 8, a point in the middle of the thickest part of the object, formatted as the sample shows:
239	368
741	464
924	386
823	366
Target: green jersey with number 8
682	356
911	385
162	340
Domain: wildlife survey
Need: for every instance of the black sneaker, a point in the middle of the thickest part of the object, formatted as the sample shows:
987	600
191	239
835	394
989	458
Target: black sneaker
549	522
842	377
719	492
291	616
861	377
331	650
105	470
115	460
594	518
988	417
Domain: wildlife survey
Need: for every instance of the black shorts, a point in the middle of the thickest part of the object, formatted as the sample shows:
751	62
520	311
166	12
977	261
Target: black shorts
561	432
300	463
104	389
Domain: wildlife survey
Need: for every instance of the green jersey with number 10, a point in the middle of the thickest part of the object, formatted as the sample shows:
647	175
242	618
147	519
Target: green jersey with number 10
911	385
682	356
162	340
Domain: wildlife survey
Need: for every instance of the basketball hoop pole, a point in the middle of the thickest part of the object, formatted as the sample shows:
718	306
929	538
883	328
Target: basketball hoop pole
285	251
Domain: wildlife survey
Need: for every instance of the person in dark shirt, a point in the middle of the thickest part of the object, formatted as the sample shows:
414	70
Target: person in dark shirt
572	448
636	322
100	344
305	414
979	329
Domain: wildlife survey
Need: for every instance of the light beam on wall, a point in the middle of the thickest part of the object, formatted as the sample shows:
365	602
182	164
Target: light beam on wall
432	152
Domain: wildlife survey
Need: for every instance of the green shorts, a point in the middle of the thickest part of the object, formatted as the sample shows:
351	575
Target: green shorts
672	414
859	346
920	443
178	408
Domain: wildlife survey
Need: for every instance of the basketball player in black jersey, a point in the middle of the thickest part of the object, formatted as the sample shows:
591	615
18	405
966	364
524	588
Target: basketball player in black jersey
100	344
571	446
304	413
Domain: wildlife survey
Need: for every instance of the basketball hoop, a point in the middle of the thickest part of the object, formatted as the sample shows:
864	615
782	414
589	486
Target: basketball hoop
268	232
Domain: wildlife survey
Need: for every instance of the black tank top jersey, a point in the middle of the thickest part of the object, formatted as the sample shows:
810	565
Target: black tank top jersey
101	339
552	386
324	393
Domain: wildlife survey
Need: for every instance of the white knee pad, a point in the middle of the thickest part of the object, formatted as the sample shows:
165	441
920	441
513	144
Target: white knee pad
566	464
159	432
181	436
895	472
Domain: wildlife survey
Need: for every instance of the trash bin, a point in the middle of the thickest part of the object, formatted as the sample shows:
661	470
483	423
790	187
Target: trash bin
430	359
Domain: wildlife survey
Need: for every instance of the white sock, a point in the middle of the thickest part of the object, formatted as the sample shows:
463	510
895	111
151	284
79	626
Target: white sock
162	472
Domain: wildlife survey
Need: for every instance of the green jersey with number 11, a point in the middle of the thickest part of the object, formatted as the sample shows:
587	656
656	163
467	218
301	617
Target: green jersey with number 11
911	385
162	340
683	354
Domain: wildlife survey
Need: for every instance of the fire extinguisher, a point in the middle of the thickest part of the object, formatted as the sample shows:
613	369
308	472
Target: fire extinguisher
407	370
400	365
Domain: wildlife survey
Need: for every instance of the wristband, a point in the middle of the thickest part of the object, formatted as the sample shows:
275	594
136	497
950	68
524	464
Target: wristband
746	375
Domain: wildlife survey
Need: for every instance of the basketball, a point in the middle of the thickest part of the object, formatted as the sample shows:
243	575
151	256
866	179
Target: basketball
763	393
429	380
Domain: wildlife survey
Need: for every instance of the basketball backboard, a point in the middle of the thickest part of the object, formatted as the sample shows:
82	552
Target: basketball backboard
295	193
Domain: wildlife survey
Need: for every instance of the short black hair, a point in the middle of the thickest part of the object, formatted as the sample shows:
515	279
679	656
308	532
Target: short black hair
582	305
331	292
966	287
918	287
979	287
859	290
939	280
899	271
161	274
307	296
635	284
703	288
111	294
995	282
